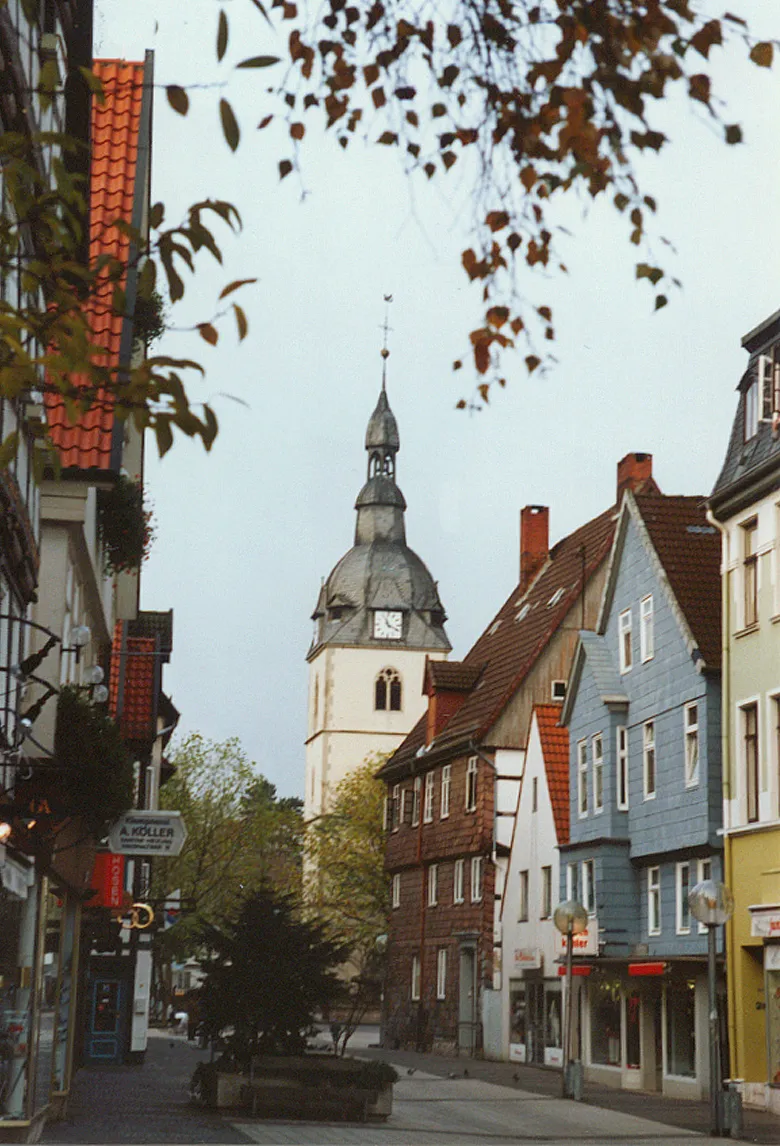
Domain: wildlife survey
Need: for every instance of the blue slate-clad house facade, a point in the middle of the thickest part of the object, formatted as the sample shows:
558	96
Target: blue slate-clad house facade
643	714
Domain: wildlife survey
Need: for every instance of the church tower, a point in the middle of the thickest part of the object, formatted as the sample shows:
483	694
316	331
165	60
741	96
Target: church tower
377	619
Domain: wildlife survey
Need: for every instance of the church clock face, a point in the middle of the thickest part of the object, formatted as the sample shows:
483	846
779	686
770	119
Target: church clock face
388	624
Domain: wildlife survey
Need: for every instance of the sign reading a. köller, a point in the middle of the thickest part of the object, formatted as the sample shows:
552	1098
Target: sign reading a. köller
139	833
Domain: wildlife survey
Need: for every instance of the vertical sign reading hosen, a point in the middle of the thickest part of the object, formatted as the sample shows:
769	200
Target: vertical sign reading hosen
108	877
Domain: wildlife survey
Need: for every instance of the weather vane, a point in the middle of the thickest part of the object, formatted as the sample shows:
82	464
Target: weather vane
386	329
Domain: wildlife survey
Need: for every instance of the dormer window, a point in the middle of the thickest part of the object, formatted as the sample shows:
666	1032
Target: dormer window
762	396
751	409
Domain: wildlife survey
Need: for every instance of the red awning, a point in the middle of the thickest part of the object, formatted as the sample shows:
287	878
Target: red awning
646	968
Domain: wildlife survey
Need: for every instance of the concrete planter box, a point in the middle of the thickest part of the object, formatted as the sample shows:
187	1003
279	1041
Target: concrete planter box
310	1088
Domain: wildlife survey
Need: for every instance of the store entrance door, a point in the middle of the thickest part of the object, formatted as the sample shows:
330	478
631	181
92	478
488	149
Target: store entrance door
536	1022
105	1020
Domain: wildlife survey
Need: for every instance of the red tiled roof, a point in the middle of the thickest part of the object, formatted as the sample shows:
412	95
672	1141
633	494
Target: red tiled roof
115	128
132	684
451	676
690	551
555	750
518	634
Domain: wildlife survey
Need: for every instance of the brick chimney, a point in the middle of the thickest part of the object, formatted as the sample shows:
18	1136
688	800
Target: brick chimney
635	472
534	542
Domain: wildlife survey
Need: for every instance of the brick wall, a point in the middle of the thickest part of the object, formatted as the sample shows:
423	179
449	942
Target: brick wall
420	929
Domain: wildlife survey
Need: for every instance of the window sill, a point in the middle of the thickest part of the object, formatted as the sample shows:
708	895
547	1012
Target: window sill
746	631
775	621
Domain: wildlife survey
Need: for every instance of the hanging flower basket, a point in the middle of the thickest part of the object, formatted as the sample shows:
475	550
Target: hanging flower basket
125	526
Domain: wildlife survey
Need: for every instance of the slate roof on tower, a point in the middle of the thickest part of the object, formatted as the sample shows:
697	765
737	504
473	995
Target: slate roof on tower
380	571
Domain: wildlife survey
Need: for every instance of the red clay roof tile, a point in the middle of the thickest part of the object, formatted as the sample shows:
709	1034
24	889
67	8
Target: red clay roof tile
115	128
555	750
132	683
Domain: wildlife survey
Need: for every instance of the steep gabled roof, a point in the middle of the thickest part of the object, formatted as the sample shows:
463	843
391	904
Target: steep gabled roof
517	636
451	676
115	185
555	750
605	676
134	683
689	550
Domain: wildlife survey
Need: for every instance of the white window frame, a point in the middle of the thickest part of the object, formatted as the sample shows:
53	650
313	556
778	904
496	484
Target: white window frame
625	645
458	879
522	896
475	887
597	749
572	881
646	634
396	890
588	886
582	779
752	409
546	902
402	806
430	780
441	973
704	871
416	791
395	808
433	885
621	768
654	900
446	785
415	984
648	750
471	784
691	736
682	910
749	557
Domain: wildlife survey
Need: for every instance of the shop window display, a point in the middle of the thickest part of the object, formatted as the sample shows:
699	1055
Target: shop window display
773	1024
681	1028
553	1026
517	1022
633	1031
605	1023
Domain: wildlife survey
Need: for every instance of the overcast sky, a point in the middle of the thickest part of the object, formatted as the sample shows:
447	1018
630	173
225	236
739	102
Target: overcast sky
246	533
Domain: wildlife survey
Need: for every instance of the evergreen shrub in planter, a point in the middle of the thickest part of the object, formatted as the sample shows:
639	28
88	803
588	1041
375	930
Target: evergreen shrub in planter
125	526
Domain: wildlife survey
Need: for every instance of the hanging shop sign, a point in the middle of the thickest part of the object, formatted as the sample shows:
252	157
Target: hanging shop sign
585	943
139	833
108	879
526	958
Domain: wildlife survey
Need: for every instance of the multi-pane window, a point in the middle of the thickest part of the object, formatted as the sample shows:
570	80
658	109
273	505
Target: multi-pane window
622	768
691	745
624	641
522	911
396	890
428	799
598	773
446	783
648	759
654	901
582	778
471	784
646	639
750	759
433	885
441	973
705	872
769	384
683	888
415	992
546	905
750	572
751	409
589	886
387	691
572	881
457	881
395	807
476	879
416	801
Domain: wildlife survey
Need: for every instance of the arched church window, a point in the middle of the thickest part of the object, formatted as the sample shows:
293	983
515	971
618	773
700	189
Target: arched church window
387	691
375	467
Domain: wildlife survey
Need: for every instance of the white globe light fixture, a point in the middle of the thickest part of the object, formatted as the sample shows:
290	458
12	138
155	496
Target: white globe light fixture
712	905
571	919
80	636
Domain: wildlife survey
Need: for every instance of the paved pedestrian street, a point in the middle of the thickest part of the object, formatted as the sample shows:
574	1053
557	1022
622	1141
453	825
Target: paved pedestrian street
434	1111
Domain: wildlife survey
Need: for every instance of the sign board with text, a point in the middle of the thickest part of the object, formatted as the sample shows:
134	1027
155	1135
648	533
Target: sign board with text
586	943
140	833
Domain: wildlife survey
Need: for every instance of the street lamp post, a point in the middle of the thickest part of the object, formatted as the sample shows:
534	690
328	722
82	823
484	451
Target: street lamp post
571	918
712	904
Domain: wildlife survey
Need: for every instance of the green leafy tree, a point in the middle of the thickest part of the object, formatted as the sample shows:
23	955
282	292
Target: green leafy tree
239	837
268	973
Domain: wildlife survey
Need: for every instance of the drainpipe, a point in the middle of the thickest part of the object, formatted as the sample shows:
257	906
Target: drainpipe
725	685
475	750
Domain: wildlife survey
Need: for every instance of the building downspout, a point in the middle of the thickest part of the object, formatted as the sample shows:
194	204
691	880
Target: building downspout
475	750
725	741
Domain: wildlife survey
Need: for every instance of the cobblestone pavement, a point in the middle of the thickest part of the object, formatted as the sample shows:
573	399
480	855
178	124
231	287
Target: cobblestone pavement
438	1102
142	1104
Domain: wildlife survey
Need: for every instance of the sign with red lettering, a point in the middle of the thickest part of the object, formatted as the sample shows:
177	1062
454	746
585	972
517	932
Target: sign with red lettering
108	877
585	943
